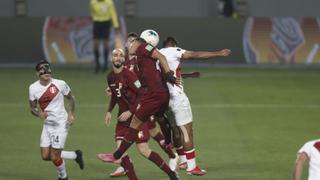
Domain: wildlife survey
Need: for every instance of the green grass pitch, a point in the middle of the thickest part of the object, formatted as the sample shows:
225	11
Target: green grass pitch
248	124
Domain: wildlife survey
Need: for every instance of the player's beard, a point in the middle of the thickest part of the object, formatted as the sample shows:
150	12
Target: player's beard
117	65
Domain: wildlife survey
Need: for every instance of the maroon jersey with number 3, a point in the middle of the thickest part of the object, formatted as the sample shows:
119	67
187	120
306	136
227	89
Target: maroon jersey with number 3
125	88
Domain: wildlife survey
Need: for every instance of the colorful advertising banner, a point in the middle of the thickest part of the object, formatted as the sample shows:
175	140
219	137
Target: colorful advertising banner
282	40
69	40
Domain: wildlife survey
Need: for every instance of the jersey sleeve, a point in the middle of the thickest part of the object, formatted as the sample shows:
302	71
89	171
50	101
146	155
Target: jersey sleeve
179	52
31	94
112	103
145	49
65	88
306	148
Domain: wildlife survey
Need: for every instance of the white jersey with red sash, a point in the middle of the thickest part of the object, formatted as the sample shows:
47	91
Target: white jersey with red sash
51	100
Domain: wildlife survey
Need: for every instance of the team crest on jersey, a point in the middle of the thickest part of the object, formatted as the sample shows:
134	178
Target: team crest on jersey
149	47
140	134
178	49
53	90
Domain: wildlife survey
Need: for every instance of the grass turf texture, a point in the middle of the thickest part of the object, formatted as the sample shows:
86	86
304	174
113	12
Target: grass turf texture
248	124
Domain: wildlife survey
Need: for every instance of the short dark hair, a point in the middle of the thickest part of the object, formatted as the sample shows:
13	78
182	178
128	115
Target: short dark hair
170	40
133	34
38	66
141	40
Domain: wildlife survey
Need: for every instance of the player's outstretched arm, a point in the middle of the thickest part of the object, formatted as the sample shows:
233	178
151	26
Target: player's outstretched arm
205	54
299	166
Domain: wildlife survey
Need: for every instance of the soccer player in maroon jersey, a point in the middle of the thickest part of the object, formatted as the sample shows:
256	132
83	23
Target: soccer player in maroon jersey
155	133
154	101
126	91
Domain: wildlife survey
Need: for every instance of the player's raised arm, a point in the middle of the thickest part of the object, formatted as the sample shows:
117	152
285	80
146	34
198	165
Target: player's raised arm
302	157
205	54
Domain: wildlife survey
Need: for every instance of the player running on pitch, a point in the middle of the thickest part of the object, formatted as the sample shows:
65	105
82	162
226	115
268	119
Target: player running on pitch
49	94
179	103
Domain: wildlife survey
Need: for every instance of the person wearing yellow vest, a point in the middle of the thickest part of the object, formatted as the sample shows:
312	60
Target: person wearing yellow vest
103	13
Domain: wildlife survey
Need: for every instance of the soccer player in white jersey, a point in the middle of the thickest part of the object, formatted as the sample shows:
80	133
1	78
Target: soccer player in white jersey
179	103
49	94
310	151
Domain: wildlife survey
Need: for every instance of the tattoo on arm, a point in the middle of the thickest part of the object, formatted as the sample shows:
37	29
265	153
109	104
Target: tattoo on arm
71	104
34	108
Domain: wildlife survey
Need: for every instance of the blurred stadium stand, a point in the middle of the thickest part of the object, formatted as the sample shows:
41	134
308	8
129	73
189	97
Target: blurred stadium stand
192	22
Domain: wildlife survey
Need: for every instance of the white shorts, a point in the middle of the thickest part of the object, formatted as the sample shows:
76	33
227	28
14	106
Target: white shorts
54	136
180	106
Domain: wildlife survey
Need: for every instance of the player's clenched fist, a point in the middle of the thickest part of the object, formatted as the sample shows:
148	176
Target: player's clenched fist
225	52
43	115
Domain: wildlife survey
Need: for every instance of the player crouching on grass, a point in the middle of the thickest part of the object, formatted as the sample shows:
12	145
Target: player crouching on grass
49	94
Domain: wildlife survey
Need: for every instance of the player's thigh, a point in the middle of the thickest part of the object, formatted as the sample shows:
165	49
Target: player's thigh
144	149
58	138
45	153
181	109
151	104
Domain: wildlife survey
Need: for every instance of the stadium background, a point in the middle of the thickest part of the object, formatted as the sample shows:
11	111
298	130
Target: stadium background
250	117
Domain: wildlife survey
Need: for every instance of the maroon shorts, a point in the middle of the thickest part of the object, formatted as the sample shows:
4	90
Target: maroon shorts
143	135
152	103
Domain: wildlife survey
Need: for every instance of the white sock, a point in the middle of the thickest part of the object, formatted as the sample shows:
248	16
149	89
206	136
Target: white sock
62	172
191	164
191	159
68	155
182	158
120	169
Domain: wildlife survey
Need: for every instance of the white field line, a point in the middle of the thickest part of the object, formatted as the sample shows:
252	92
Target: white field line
207	106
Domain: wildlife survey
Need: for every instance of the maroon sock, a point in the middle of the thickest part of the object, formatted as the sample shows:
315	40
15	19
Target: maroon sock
155	158
165	129
167	148
126	143
128	166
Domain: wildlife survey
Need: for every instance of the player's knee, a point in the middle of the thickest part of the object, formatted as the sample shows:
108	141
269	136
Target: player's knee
135	123
144	151
45	157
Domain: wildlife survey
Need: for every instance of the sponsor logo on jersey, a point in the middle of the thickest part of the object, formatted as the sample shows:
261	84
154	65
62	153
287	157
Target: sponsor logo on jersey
137	83
149	47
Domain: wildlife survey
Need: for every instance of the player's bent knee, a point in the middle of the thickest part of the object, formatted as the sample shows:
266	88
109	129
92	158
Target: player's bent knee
144	150
46	157
135	123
